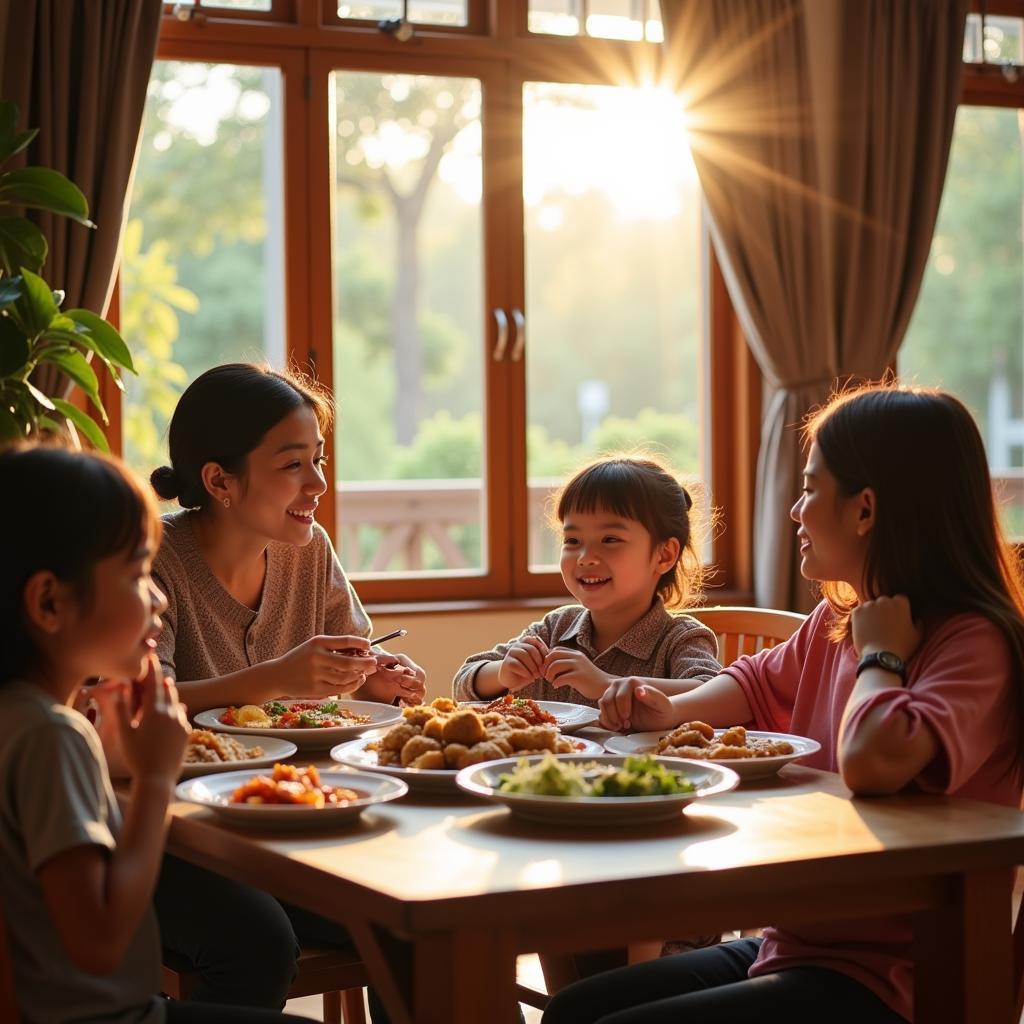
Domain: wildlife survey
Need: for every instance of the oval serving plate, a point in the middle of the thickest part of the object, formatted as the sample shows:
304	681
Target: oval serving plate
214	792
744	767
709	779
355	755
569	718
310	739
273	750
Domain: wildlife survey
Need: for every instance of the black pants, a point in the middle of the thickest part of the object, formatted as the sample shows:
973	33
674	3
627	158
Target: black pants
241	941
210	1013
710	986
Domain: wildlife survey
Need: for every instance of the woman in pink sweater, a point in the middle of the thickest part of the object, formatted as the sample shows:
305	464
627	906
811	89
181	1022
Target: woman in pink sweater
909	673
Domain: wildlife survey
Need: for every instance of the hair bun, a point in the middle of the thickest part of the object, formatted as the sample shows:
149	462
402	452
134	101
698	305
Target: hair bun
165	482
687	500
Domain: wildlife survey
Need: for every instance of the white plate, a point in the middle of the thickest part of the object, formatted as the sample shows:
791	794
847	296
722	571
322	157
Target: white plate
311	739
708	777
273	750
569	718
744	767
355	754
214	791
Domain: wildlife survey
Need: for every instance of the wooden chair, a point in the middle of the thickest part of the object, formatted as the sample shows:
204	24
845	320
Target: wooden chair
747	630
336	973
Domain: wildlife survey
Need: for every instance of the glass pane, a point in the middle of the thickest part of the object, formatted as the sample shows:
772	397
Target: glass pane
613	284
421	12
967	332
408	280
555	17
608	19
237	5
1002	42
202	258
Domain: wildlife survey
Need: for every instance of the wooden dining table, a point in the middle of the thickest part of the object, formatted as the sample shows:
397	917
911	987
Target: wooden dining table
441	893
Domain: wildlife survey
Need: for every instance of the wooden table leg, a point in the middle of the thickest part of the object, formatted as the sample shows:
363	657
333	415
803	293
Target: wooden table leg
963	953
464	977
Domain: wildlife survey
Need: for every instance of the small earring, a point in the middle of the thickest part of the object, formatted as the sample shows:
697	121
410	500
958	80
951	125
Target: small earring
227	503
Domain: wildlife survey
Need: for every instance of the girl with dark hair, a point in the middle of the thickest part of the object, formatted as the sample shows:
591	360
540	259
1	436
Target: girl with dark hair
909	673
628	556
77	601
258	607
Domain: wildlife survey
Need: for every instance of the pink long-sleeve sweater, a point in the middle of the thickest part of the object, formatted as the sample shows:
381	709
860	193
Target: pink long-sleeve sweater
960	684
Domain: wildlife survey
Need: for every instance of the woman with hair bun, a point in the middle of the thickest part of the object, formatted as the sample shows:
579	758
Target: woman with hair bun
258	606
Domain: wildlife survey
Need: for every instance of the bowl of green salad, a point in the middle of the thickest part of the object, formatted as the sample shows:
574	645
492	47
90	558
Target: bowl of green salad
597	790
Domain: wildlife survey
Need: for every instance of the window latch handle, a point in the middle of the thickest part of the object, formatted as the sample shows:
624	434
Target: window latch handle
502	343
520	342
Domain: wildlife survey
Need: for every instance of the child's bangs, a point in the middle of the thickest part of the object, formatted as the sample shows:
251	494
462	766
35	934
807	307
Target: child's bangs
608	487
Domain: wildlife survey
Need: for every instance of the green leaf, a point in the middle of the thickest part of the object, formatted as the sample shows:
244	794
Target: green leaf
10	289
45	189
11	140
10	428
50	424
40	397
109	343
22	244
85	423
77	367
36	307
14	348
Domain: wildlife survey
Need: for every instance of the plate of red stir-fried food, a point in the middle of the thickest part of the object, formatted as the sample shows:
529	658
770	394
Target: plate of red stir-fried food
568	718
291	795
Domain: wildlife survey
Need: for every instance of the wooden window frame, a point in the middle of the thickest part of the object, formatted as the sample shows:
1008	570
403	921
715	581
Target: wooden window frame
306	47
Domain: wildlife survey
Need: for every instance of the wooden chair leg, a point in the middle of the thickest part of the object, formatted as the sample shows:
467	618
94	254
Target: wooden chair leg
332	1008
353	1008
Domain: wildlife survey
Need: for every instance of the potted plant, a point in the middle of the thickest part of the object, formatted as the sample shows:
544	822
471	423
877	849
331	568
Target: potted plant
34	331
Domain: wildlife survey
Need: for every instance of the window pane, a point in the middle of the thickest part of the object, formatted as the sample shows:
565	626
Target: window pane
1002	40
202	257
613	283
421	12
967	331
408	276
237	5
608	19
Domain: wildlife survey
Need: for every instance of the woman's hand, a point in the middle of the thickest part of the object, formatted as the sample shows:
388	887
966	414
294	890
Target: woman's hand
398	676
885	624
323	666
523	663
632	704
152	738
566	667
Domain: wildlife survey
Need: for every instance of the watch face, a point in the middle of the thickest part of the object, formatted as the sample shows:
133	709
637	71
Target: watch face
890	661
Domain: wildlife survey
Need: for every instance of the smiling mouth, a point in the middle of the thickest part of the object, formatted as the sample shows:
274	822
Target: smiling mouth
593	581
304	515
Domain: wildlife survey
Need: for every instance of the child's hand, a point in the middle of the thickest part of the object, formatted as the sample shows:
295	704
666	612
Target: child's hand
154	738
631	704
523	663
885	624
397	675
566	667
324	666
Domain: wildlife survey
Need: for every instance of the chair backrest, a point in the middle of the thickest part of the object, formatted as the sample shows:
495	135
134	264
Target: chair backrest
747	630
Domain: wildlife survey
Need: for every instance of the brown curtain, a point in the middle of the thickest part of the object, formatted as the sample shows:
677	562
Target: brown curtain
821	132
78	72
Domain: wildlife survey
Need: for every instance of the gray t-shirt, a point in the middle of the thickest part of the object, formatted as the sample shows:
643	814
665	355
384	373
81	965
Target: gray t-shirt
56	796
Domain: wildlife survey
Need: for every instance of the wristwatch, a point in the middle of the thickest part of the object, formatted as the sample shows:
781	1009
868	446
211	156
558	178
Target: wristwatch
885	660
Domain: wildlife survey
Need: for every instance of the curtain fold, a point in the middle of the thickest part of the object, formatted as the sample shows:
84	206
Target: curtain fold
78	72
820	130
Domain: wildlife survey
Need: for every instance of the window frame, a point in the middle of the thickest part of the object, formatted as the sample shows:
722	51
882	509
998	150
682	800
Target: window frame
501	51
